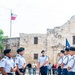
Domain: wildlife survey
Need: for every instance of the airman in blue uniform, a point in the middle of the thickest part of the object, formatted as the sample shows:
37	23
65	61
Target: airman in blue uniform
67	57
71	63
8	66
42	63
20	62
60	61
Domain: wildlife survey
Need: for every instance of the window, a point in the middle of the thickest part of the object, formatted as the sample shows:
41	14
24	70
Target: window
73	39
35	56
35	40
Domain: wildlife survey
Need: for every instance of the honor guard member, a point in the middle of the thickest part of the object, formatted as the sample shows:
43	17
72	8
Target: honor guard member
60	62
42	63
67	57
20	62
8	66
71	63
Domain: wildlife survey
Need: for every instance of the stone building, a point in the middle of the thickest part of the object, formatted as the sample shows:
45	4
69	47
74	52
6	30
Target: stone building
52	42
15	44
56	38
33	44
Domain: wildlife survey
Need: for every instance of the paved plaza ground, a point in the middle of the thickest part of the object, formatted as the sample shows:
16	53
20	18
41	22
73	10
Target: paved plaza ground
36	73
31	74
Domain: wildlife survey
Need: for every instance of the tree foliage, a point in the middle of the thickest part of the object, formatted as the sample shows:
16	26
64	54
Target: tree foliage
2	37
1	47
1	32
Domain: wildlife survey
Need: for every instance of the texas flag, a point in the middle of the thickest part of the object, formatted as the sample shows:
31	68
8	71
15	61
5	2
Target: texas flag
13	16
67	44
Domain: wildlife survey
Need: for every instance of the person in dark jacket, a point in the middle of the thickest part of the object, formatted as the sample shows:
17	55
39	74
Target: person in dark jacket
29	65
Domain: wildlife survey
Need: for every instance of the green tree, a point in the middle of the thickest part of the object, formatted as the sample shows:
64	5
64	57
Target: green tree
2	37
1	34
1	45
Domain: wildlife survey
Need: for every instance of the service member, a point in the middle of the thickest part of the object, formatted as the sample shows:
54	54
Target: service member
67	57
60	62
42	63
20	62
71	63
7	64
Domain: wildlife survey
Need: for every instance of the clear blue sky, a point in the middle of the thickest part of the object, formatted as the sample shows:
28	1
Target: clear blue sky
34	16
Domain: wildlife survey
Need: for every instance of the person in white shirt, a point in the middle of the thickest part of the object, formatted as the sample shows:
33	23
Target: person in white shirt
34	67
60	61
67	57
20	62
71	63
42	63
49	66
7	65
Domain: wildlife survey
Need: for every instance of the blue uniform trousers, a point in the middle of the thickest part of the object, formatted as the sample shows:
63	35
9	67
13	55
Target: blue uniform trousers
22	71
43	70
71	73
8	74
59	70
64	72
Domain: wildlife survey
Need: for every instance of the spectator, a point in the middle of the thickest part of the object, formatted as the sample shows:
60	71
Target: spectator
49	69
53	69
34	66
29	68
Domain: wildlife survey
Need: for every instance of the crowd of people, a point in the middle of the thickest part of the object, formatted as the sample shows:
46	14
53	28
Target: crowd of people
33	69
18	66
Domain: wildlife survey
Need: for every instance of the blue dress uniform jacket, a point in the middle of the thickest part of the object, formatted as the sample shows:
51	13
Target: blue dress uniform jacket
42	60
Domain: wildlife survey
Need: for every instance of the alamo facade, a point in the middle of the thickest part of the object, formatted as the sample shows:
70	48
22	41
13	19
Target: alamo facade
52	42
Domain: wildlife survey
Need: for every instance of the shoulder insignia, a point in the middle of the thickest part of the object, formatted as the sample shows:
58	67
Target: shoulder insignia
5	57
2	60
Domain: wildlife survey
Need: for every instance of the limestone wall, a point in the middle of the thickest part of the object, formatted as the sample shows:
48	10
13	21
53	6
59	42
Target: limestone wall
15	44
27	41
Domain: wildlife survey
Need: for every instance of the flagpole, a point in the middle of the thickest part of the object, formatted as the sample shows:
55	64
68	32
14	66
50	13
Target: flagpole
10	28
